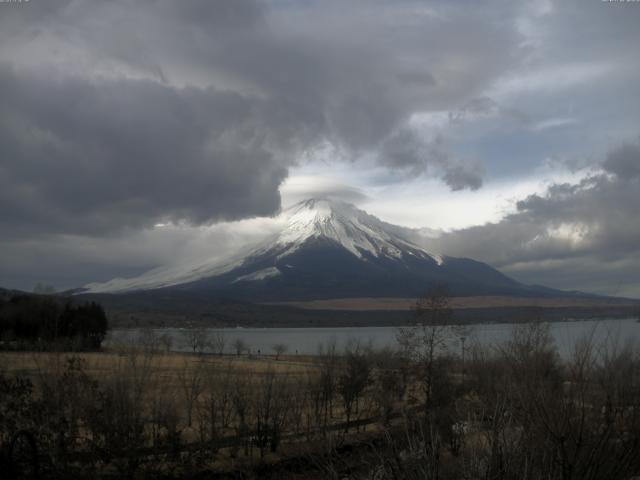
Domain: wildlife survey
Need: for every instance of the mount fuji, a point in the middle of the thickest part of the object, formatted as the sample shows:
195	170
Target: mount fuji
327	249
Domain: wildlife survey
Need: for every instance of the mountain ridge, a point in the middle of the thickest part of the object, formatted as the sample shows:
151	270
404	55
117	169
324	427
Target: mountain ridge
328	249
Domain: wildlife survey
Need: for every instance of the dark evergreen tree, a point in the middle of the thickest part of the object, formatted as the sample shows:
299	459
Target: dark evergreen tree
37	318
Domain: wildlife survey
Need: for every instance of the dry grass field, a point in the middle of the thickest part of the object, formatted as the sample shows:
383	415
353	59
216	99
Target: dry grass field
237	411
409	413
169	365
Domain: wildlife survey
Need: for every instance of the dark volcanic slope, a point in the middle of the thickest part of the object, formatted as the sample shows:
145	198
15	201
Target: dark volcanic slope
321	268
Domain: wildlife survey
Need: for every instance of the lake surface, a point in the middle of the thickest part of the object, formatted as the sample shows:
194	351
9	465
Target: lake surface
307	340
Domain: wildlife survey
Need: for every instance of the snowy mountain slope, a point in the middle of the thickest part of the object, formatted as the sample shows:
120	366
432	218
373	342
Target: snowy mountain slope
353	229
325	249
164	276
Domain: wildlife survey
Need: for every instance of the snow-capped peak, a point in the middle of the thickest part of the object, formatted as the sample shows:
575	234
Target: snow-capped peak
354	229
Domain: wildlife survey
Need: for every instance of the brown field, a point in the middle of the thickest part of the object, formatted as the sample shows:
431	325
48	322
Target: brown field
169	366
174	396
142	412
398	304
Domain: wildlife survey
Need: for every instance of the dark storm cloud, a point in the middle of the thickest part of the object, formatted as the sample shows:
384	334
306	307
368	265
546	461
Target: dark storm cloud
624	161
91	156
406	150
412	153
463	176
122	114
588	230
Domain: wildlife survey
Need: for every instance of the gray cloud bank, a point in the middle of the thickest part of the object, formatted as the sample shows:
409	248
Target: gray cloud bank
411	153
93	156
584	235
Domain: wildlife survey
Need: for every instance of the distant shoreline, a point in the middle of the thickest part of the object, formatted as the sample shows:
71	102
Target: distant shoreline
399	304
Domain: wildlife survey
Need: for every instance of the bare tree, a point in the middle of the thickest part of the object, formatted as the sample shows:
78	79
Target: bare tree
218	342
148	340
271	406
390	382
354	378
428	338
191	378
117	417
299	404
242	408
279	349
166	341
326	382
165	425
463	334
196	338
216	408
240	346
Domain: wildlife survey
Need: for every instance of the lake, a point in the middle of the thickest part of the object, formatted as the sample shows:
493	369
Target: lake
307	340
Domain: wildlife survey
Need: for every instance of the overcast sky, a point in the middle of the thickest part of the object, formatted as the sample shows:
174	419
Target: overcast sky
136	133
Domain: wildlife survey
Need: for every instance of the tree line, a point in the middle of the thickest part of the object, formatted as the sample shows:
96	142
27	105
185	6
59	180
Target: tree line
45	320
